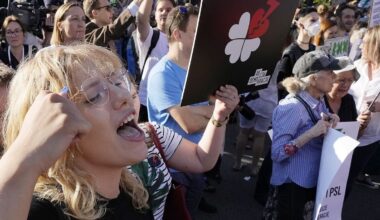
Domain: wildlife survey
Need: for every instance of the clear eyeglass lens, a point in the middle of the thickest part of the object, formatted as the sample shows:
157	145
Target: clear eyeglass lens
95	91
120	80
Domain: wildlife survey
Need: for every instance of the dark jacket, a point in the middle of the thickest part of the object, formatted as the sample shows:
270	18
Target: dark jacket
102	35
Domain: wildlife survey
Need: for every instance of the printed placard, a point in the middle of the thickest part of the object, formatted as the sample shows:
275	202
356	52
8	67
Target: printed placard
237	42
334	169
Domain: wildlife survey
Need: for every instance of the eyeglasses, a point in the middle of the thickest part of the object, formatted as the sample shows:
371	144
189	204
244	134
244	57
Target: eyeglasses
96	89
15	32
107	7
345	81
183	10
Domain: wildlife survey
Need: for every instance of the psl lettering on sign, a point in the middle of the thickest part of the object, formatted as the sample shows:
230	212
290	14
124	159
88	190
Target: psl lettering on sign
333	191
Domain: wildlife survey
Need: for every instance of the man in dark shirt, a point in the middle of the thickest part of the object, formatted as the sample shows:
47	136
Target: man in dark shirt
308	26
101	30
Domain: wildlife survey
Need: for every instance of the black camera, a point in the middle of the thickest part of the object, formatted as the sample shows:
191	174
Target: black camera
30	13
243	108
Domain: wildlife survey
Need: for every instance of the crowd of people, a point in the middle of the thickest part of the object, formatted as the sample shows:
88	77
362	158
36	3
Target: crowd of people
75	105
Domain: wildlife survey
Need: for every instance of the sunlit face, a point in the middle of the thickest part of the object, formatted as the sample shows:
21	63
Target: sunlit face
14	34
73	27
342	83
331	32
114	140
347	19
103	13
162	10
324	81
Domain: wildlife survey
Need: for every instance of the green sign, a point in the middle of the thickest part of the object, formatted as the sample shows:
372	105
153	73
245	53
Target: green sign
339	46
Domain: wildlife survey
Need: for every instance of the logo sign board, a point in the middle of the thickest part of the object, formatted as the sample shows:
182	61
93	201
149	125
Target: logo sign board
237	42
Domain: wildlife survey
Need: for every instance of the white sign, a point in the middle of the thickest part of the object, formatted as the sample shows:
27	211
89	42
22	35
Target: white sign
334	169
350	128
375	14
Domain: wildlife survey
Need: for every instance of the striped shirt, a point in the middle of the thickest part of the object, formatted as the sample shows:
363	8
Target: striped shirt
153	172
290	120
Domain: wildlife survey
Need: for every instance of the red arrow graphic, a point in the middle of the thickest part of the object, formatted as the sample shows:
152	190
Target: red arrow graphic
259	22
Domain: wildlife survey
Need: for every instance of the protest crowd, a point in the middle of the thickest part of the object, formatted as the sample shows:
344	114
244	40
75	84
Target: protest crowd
93	128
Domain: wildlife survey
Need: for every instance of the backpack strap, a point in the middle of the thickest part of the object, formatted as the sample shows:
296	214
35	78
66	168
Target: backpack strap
308	109
153	43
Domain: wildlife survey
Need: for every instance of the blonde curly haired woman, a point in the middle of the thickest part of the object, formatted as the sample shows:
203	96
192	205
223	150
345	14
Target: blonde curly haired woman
70	147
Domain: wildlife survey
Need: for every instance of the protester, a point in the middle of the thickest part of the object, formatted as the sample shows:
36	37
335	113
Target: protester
69	24
346	18
364	91
256	123
338	100
298	123
308	26
329	30
13	31
144	41
165	86
65	159
101	30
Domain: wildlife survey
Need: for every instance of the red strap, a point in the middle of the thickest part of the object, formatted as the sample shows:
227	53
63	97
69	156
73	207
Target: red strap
156	141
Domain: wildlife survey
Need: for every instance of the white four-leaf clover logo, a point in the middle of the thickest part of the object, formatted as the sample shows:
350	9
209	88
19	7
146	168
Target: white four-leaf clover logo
240	46
245	35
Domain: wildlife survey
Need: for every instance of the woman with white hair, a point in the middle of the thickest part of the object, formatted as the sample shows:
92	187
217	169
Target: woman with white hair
298	123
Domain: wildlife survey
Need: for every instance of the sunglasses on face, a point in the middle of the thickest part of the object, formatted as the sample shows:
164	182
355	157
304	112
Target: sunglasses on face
107	7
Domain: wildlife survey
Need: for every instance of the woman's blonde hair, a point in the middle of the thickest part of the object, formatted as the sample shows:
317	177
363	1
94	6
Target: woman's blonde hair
373	45
57	37
51	69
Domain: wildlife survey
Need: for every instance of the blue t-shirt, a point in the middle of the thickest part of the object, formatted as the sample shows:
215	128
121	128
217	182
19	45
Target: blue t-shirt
165	86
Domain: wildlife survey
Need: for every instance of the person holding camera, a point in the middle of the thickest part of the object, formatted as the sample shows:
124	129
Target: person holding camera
299	122
255	116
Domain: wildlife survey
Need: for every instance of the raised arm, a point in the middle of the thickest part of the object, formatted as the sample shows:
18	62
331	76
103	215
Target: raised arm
49	127
143	18
102	35
202	156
